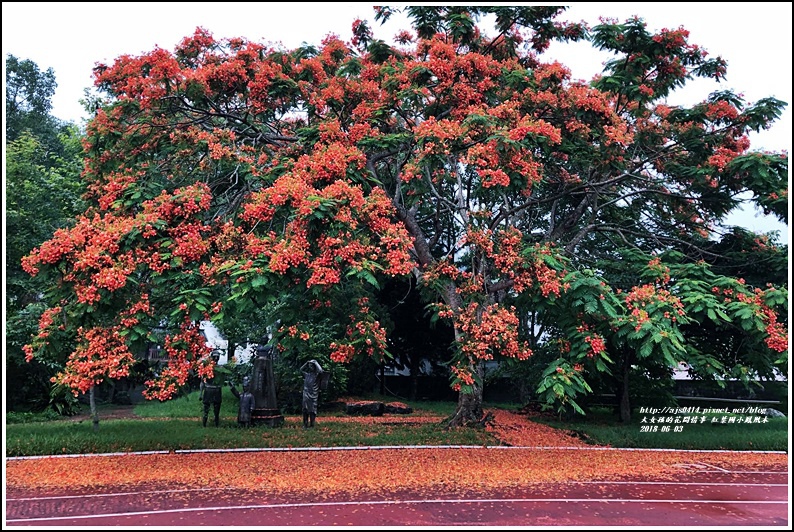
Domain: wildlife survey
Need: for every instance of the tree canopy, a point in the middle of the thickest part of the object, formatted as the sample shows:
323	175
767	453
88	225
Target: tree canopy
535	211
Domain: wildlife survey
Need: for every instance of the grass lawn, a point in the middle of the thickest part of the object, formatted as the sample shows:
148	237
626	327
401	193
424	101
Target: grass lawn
721	431
176	425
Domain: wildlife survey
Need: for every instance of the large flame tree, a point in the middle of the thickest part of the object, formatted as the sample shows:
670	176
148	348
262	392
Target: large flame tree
227	174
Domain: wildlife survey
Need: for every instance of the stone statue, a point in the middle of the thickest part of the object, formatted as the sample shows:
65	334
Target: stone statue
263	388
211	393
312	372
247	402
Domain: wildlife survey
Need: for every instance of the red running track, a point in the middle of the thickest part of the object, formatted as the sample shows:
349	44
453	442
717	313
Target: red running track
710	497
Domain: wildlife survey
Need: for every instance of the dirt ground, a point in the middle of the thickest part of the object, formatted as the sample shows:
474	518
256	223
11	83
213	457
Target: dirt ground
108	412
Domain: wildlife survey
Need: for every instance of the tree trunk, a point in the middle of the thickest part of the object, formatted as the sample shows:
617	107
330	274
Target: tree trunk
625	404
414	368
469	411
92	404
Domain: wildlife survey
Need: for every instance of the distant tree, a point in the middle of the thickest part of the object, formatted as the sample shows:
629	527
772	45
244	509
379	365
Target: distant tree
42	194
758	259
29	93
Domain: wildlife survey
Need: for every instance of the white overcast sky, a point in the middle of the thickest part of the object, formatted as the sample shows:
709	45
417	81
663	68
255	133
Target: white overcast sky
70	37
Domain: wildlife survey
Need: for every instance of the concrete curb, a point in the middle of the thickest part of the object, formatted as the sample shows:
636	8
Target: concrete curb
384	447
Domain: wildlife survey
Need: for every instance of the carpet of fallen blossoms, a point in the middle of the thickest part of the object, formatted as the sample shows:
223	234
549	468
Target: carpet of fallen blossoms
327	473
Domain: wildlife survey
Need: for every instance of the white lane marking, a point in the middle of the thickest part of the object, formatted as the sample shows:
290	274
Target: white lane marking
713	467
384	447
627	482
752	472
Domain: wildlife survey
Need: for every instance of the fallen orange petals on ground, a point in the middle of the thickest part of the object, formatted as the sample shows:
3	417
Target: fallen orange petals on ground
515	429
385	419
333	472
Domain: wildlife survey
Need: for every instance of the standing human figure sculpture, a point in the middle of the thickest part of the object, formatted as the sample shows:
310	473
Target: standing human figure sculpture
211	392
247	402
312	372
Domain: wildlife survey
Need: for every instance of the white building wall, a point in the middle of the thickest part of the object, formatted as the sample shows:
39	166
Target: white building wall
215	340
